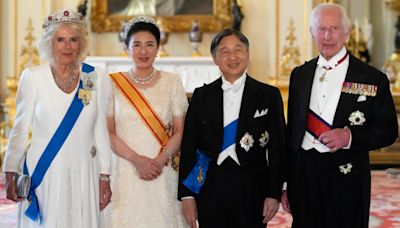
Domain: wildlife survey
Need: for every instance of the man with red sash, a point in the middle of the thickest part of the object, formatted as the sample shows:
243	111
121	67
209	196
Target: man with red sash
339	108
232	147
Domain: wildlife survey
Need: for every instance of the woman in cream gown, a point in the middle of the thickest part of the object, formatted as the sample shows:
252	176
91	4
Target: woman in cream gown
145	183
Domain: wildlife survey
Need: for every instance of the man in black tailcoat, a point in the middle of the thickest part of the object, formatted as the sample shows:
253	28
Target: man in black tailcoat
339	109
237	125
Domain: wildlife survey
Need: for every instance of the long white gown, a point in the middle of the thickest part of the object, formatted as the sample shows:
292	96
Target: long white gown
137	203
69	193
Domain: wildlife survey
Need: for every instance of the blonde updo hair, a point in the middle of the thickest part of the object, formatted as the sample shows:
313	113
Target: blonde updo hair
45	42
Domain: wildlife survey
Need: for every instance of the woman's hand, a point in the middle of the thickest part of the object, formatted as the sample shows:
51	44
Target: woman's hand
162	158
147	168
11	188
105	191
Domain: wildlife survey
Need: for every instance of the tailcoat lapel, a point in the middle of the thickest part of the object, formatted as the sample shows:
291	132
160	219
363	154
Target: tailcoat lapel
346	101
215	109
247	107
305	85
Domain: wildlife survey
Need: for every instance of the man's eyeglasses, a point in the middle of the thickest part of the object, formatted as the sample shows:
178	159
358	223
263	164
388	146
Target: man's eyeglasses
332	30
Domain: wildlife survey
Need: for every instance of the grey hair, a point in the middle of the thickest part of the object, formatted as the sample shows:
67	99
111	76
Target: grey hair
45	42
329	6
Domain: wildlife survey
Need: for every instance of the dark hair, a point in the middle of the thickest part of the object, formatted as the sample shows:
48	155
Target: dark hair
143	27
227	32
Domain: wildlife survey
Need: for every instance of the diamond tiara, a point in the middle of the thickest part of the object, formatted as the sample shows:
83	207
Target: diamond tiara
64	16
143	19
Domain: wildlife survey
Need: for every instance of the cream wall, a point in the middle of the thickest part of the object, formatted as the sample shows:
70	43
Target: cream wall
14	21
383	23
265	24
258	25
5	59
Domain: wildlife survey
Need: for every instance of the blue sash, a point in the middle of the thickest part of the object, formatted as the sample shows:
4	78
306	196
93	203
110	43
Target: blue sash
195	180
55	144
229	134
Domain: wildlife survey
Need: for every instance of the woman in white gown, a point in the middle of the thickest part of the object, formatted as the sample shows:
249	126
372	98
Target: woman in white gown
64	103
145	182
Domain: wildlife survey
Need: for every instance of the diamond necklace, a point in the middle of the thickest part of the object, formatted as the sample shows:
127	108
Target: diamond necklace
63	84
140	80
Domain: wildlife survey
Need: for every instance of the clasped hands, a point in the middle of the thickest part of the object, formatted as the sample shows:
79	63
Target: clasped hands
149	169
335	139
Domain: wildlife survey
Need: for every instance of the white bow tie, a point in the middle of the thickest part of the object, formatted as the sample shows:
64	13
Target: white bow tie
227	87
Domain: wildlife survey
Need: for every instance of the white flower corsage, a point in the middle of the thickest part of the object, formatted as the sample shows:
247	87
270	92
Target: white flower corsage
247	141
345	169
264	138
357	118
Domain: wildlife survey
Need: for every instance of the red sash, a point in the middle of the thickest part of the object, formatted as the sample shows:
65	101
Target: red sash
316	125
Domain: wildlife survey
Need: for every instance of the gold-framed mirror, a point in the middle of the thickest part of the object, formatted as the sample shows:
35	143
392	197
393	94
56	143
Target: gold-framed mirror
212	15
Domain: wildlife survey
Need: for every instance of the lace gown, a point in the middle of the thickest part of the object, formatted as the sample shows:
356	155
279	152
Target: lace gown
135	202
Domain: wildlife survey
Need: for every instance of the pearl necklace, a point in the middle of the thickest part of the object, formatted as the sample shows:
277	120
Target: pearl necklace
63	84
140	80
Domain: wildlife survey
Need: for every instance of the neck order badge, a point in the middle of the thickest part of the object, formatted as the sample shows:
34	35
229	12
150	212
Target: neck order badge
322	78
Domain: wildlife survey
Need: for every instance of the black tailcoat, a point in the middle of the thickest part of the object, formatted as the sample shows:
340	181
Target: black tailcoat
257	177
319	193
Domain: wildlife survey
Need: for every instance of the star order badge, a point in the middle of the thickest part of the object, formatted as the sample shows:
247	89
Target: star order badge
346	168
264	138
247	141
357	118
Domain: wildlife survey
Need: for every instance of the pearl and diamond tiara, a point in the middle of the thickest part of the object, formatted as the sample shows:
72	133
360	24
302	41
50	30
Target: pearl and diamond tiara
64	16
143	19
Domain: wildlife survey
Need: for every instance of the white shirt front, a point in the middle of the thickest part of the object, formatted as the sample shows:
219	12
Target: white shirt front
325	94
232	98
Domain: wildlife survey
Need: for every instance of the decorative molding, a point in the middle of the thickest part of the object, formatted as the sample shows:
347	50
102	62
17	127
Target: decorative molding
277	45
29	55
15	40
101	21
306	16
290	52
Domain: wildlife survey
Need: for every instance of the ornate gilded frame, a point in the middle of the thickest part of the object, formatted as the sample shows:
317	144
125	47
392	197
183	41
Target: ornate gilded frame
101	21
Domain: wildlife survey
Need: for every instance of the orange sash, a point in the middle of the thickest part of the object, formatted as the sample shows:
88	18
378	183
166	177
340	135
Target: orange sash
138	101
